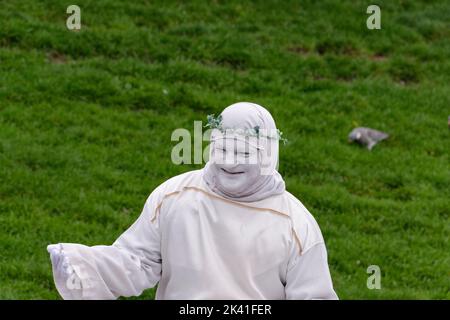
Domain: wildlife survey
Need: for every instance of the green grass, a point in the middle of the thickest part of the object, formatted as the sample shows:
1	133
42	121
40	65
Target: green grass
86	119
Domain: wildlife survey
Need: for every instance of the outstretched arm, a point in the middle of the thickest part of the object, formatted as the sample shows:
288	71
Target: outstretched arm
126	268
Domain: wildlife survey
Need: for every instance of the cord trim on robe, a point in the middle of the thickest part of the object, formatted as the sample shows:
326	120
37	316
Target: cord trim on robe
158	207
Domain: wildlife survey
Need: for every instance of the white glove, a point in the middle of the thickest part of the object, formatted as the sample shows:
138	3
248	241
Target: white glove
65	277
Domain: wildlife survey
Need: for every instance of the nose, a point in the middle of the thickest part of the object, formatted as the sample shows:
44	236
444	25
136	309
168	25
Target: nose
228	158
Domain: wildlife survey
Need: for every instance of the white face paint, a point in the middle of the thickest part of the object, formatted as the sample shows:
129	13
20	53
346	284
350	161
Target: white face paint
247	170
236	165
236	179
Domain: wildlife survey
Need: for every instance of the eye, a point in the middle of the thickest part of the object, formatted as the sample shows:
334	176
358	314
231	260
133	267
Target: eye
221	149
244	154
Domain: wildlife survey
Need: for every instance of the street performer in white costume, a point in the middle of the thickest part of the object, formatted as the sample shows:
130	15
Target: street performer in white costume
227	231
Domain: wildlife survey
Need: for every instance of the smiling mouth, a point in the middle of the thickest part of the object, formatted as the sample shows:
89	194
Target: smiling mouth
229	172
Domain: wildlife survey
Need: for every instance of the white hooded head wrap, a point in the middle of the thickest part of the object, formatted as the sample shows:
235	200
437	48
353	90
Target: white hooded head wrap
248	132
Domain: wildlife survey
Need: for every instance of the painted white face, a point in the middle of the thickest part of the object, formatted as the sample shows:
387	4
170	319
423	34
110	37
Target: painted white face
248	171
236	165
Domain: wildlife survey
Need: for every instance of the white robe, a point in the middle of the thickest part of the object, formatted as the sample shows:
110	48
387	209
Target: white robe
199	245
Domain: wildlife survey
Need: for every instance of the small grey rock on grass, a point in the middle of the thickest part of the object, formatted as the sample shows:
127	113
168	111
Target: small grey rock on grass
367	136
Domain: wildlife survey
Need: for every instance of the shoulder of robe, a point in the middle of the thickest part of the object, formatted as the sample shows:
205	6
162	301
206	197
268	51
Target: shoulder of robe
175	185
304	223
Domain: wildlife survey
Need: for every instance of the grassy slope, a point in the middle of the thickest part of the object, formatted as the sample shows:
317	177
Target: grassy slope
85	124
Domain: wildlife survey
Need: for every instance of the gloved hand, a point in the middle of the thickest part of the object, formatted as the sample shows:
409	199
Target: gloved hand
66	278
